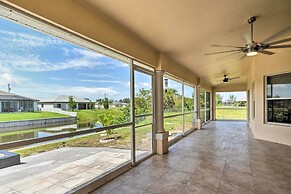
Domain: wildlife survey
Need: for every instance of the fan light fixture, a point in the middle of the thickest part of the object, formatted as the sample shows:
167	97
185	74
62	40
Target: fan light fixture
252	48
253	53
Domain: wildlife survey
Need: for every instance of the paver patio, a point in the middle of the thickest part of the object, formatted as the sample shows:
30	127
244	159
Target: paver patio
61	170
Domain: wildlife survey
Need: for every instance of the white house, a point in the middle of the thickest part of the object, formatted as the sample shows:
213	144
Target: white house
10	102
62	102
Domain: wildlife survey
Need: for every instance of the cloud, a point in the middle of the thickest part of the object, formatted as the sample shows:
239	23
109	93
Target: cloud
59	79
28	40
92	91
87	53
33	52
87	80
121	64
144	85
96	75
7	77
127	84
100	81
33	63
41	91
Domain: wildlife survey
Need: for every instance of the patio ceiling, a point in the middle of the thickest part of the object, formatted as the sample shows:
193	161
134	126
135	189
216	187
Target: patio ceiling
185	29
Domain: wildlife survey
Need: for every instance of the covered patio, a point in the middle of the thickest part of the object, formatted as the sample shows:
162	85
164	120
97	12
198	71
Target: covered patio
223	158
166	60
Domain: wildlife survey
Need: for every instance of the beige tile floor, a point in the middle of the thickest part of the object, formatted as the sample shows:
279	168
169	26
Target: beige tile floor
222	158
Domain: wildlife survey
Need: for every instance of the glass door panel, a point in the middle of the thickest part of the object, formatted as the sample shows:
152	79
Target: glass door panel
143	114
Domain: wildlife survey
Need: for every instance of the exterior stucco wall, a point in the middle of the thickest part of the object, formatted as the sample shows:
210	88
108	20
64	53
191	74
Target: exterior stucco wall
262	66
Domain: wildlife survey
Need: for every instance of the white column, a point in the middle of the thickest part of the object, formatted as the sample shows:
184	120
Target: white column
161	134
198	122
34	106
195	109
18	105
183	111
0	106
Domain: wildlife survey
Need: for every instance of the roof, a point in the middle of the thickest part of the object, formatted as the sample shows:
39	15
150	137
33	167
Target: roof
13	97
65	98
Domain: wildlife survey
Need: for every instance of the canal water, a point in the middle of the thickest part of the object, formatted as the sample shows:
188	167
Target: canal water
44	132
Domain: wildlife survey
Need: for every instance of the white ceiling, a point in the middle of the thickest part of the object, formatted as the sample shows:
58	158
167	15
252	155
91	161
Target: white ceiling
185	29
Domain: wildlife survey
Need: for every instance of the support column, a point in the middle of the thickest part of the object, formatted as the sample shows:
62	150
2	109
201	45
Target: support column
213	106
198	122
161	134
18	106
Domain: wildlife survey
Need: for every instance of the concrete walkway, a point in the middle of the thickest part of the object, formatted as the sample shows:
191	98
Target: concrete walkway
60	170
223	158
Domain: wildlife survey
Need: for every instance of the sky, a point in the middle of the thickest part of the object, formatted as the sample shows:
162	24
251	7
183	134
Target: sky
238	95
40	66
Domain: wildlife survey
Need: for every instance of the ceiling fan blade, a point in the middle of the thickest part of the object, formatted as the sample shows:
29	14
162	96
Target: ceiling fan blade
216	45
279	41
233	78
222	52
278	34
229	55
279	46
266	52
243	57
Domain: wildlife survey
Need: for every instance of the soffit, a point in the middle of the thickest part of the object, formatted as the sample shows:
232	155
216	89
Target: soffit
185	29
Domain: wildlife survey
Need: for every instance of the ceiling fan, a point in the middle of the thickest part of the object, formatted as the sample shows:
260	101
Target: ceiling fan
226	79
252	48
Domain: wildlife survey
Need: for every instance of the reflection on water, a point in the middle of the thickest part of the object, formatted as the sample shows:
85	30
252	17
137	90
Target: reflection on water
48	132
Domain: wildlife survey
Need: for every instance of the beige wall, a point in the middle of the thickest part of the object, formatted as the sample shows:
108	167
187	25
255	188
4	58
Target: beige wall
265	65
228	87
176	70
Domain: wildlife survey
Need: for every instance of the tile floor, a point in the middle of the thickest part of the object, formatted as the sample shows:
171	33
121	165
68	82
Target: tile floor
222	158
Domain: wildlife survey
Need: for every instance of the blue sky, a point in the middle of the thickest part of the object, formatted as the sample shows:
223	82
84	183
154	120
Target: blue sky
41	66
238	95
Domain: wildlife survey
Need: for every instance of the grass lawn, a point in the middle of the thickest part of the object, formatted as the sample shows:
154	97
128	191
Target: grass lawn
28	116
122	135
92	140
235	113
87	116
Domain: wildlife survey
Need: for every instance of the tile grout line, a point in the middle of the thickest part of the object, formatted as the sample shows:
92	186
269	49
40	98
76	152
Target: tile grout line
224	165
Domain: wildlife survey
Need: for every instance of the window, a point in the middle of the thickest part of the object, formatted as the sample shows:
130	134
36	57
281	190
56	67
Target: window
178	106
278	97
173	114
188	106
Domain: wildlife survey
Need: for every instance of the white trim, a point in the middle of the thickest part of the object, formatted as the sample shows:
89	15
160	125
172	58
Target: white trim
266	99
280	124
